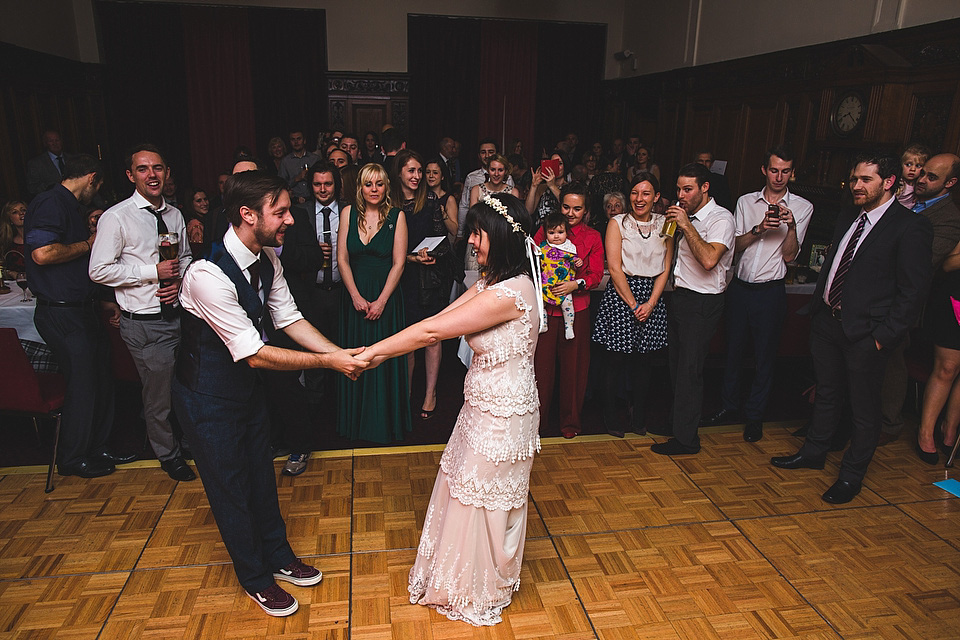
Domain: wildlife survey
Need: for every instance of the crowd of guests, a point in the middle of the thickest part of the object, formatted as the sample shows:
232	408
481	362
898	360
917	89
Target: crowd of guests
238	310
379	242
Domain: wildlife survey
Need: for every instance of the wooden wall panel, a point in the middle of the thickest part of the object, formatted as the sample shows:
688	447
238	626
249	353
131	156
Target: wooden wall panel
40	92
910	80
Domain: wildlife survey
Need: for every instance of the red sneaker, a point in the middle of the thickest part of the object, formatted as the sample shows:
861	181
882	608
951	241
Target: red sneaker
275	601
300	574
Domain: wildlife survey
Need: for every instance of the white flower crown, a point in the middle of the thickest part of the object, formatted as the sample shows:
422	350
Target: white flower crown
501	208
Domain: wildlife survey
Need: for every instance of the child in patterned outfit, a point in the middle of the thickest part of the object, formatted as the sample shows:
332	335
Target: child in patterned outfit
558	263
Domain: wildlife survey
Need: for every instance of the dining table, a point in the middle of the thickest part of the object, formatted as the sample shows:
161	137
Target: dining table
16	314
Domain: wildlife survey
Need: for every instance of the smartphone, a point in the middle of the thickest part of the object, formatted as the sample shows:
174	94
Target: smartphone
773	213
552	163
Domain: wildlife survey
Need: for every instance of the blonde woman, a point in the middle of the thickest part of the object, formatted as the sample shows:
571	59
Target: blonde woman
371	251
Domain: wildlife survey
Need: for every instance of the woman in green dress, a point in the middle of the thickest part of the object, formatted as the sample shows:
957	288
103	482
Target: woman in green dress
371	251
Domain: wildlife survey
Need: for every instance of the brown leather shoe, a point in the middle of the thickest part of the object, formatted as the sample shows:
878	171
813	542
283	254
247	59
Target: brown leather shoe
886	438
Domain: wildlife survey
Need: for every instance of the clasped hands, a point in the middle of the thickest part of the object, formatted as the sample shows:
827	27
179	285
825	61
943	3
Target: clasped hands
354	361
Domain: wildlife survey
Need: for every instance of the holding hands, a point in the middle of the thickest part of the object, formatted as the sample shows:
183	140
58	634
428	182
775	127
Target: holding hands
349	362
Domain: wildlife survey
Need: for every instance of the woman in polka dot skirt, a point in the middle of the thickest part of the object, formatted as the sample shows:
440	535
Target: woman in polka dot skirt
632	321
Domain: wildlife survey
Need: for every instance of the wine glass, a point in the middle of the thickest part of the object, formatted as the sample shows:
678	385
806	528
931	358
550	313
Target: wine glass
22	283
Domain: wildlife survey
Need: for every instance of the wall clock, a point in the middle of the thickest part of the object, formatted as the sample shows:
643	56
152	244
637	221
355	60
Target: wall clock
848	113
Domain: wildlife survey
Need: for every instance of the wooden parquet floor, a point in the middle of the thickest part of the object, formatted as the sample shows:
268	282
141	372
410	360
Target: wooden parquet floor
621	544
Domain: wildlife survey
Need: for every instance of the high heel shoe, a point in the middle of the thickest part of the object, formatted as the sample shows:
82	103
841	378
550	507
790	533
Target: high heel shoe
926	456
426	414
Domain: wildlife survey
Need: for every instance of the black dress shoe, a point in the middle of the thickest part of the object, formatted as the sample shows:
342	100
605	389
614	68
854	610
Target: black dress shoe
753	431
842	492
797	461
672	447
178	469
113	458
93	468
724	416
926	456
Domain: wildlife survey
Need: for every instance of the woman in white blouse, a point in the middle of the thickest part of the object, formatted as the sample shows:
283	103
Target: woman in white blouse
632	321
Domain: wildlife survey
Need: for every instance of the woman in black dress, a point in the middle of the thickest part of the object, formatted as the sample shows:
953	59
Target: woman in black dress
426	280
943	386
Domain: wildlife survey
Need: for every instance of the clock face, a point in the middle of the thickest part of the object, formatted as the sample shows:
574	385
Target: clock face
849	112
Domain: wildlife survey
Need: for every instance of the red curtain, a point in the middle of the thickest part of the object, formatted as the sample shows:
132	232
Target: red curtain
508	82
219	92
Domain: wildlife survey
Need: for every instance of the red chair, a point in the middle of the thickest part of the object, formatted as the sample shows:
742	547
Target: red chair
25	392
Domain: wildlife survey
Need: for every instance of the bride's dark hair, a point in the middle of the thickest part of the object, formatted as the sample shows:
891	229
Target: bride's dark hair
507	256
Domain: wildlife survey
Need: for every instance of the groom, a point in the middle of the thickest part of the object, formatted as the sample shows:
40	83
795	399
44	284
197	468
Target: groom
227	299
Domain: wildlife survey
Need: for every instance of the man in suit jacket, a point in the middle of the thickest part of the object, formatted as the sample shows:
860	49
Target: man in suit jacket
449	162
870	292
309	260
932	192
46	170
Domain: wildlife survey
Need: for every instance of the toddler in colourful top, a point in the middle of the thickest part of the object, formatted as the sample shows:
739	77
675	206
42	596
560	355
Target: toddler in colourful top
913	159
558	264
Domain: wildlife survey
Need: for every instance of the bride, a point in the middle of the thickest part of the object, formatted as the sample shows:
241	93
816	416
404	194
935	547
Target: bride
471	548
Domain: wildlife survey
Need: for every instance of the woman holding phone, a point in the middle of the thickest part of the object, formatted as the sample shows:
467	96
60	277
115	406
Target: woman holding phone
544	195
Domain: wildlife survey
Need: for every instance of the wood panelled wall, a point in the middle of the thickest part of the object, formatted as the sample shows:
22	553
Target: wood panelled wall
40	92
909	81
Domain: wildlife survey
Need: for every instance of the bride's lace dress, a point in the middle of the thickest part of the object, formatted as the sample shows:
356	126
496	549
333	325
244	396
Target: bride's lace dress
468	561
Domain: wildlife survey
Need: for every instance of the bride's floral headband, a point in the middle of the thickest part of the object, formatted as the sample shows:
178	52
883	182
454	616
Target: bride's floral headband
501	208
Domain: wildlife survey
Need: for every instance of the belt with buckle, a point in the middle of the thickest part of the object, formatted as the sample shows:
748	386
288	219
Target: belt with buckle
329	286
142	316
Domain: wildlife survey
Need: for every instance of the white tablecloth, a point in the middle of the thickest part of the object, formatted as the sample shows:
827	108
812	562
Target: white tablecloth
18	315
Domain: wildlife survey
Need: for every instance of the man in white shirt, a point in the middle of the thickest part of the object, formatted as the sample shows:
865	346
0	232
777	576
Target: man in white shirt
704	255
228	299
770	224
126	256
488	149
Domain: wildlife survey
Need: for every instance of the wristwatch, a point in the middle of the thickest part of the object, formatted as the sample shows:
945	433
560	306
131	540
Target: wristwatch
755	231
581	284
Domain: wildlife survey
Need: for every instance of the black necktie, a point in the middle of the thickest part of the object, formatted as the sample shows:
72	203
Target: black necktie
60	165
161	225
835	297
254	270
452	165
167	310
327	237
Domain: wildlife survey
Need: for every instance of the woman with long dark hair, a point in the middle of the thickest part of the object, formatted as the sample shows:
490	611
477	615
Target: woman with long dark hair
470	552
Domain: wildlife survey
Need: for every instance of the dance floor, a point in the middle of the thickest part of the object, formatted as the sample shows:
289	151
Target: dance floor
621	544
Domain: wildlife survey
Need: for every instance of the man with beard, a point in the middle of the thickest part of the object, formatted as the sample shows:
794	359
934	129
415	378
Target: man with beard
704	255
933	201
228	298
870	292
57	241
